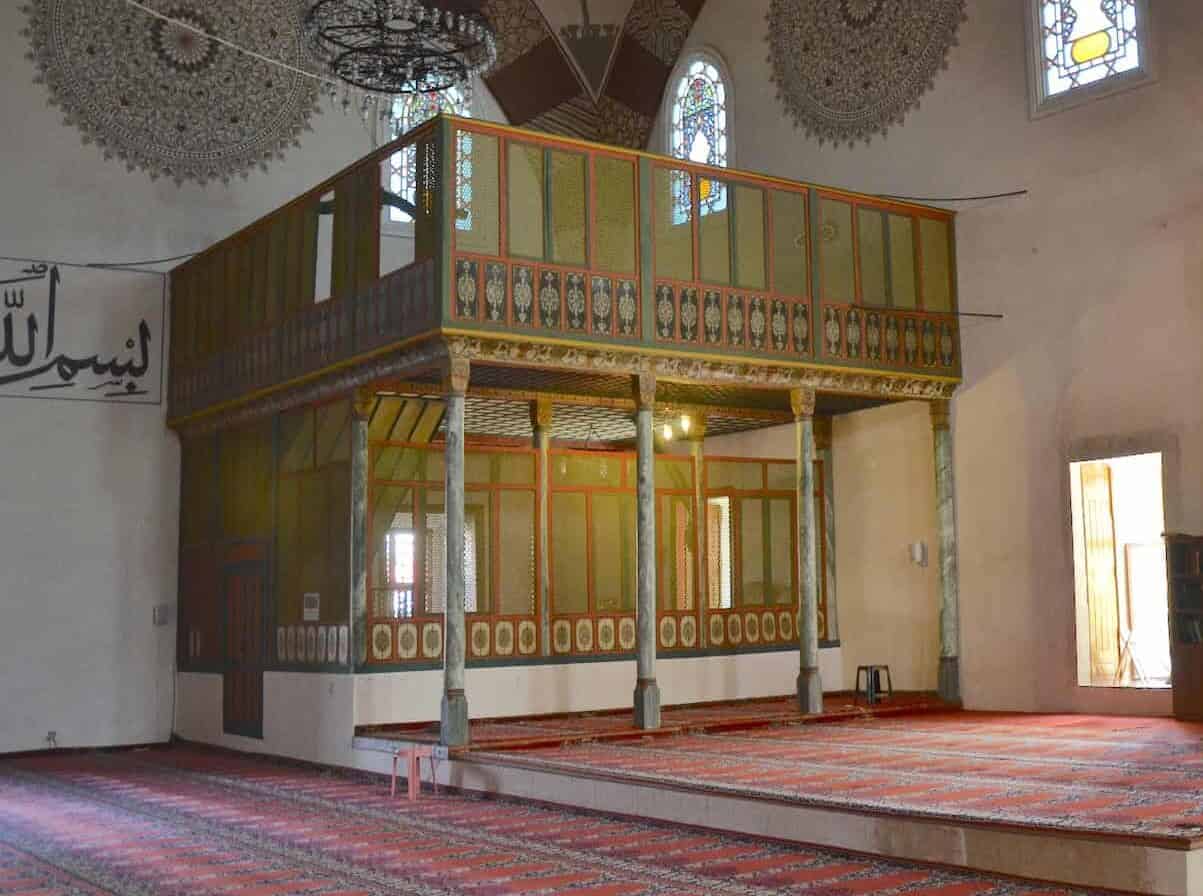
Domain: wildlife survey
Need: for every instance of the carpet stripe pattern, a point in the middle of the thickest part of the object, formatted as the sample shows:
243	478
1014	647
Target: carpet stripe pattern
188	821
553	729
1130	776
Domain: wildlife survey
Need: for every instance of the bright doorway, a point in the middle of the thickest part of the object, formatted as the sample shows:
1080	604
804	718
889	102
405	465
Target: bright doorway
1119	572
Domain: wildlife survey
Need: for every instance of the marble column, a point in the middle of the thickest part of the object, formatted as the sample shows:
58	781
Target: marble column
361	414
827	555
453	731
647	692
946	529
810	687
697	439
540	418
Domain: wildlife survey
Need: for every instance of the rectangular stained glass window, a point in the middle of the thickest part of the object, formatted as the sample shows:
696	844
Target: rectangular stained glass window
1084	43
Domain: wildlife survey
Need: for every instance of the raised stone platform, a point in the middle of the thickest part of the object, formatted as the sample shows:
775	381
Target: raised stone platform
1090	801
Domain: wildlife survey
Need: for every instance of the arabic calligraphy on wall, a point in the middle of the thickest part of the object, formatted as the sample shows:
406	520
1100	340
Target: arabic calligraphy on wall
81	334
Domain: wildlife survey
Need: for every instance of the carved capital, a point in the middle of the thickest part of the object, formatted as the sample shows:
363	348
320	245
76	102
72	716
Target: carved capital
697	427
822	433
643	386
363	403
939	413
802	402
455	375
541	413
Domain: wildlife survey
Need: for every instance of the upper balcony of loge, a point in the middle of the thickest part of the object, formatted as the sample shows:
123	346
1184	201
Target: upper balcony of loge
463	229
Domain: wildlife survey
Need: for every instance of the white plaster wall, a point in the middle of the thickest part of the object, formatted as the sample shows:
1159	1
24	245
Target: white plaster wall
88	502
1100	278
313	716
497	692
305	716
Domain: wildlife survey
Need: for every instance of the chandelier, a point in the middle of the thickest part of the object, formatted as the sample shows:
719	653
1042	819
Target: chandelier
400	46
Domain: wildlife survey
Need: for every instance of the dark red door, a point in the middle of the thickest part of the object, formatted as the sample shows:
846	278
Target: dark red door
244	576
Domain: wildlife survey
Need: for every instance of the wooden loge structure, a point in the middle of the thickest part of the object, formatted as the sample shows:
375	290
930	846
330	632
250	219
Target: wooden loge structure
424	417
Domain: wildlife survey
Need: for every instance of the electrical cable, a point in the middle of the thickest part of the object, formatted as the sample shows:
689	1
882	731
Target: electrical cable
92	266
188	26
136	264
1009	195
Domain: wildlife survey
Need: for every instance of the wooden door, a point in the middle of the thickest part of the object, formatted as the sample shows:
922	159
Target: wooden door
244	577
1102	586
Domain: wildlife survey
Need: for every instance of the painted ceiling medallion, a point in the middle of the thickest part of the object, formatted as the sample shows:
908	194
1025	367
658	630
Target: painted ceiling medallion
169	101
849	69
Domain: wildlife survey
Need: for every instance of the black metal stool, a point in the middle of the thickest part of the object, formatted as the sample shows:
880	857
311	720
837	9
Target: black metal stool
873	683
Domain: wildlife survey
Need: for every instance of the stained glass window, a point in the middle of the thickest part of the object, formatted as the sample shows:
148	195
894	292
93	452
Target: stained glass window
699	134
1084	42
409	111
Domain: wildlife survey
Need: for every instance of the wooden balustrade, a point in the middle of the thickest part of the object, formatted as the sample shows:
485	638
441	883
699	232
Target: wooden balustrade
394	308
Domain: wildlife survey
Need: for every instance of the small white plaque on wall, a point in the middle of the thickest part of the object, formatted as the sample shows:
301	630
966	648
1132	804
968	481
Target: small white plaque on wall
312	607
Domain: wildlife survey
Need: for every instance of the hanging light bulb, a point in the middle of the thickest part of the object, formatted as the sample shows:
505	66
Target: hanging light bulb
668	432
685	423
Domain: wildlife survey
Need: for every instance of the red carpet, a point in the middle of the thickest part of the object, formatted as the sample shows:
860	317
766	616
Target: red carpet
192	822
1127	776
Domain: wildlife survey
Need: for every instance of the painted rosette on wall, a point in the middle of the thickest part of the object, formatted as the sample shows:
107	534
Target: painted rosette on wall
160	94
846	70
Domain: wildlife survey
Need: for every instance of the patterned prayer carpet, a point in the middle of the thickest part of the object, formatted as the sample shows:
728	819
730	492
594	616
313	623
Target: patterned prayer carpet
187	821
1140	777
552	730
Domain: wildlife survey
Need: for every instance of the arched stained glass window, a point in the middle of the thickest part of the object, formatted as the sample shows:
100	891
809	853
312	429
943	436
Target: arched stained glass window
1079	44
698	132
409	111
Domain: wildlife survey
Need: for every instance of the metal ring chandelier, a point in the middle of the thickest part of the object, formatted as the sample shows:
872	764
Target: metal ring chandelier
400	46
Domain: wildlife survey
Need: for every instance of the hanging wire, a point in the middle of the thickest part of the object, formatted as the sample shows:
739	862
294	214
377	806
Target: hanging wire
1009	195
180	23
133	268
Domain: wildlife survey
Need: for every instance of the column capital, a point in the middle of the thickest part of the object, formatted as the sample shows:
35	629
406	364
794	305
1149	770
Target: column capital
363	402
541	413
939	413
643	387
455	376
697	427
822	433
802	402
